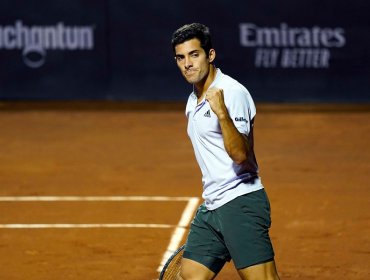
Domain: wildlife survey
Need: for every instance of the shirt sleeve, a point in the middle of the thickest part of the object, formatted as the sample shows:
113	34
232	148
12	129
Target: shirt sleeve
241	109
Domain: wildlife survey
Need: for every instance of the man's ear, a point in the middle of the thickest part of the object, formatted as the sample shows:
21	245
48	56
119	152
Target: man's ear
211	55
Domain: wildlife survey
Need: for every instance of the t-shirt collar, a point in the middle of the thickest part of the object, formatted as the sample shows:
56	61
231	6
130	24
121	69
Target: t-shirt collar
217	77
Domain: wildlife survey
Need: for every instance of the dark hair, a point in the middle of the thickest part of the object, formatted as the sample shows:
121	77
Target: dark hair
191	31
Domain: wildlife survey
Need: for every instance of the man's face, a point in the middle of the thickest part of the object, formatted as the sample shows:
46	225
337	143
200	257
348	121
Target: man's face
192	60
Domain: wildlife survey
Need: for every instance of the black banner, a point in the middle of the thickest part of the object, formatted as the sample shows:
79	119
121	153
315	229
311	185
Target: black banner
53	50
295	51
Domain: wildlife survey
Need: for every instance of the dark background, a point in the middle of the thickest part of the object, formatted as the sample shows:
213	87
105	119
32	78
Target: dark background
132	58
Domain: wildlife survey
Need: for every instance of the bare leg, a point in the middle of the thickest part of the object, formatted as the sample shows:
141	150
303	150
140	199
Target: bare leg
263	271
192	270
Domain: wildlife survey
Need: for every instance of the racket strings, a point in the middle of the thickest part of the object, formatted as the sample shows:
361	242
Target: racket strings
173	269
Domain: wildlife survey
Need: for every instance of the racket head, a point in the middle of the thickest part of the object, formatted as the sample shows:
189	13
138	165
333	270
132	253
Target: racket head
172	267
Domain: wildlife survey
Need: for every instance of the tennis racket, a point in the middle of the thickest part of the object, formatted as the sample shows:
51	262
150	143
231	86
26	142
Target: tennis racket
171	269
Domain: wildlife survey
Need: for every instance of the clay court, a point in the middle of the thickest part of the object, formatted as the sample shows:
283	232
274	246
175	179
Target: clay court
103	191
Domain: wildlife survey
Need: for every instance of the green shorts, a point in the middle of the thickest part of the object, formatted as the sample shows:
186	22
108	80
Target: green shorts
238	230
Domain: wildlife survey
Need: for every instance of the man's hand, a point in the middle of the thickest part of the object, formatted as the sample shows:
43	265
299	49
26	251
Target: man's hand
215	98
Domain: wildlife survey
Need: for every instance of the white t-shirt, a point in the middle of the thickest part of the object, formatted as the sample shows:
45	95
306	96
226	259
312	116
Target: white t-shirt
223	179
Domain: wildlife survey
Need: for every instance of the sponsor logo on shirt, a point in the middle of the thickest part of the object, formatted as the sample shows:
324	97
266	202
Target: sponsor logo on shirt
207	114
240	119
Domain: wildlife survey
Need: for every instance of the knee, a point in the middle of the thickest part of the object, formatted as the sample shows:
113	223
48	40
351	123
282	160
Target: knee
191	270
264	271
187	274
262	277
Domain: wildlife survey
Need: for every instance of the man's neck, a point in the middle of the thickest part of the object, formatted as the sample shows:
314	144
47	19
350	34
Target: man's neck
201	88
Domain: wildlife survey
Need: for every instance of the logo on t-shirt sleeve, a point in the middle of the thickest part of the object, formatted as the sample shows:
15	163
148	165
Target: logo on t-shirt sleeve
241	119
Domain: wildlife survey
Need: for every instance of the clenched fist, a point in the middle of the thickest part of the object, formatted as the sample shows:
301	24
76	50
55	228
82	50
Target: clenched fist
215	98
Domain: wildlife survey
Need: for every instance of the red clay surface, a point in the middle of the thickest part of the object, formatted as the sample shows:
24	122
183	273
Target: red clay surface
314	163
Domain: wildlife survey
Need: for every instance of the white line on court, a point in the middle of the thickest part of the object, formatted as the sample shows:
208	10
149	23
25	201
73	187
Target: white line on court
46	226
93	198
177	235
180	230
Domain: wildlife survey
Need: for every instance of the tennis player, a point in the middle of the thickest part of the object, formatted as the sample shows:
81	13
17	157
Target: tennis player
234	220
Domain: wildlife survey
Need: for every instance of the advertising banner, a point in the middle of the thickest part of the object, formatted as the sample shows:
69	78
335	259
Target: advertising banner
53	50
290	51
